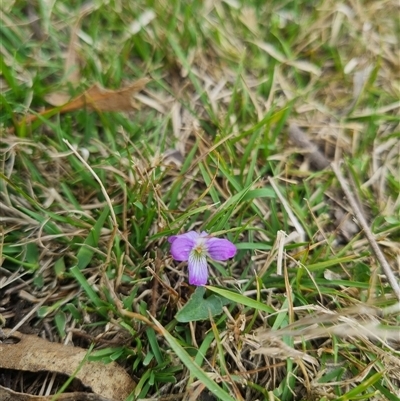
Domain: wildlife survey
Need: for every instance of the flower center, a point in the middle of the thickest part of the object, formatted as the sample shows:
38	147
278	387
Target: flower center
200	250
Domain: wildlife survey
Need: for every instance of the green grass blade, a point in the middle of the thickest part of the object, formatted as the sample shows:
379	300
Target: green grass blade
87	250
241	299
194	369
354	393
86	286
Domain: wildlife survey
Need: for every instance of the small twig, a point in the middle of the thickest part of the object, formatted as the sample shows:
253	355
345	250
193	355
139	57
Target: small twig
368	233
300	139
137	316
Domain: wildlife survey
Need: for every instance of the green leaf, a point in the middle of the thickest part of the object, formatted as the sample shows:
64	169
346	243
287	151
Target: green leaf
200	308
32	254
59	267
60	321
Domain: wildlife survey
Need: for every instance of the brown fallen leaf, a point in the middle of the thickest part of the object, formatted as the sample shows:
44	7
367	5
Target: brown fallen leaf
33	354
57	99
101	99
95	98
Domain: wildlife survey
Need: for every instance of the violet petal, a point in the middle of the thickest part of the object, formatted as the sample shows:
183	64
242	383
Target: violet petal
220	249
181	245
198	272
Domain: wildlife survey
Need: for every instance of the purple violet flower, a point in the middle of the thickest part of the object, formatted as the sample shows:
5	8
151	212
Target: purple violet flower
194	248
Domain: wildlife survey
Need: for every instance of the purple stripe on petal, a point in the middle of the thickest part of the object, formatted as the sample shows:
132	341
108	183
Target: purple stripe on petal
198	272
181	245
220	249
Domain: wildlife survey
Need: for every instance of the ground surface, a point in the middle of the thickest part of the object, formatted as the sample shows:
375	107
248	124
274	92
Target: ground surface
246	105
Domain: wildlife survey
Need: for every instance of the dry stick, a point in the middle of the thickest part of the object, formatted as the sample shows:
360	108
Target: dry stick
300	139
361	219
